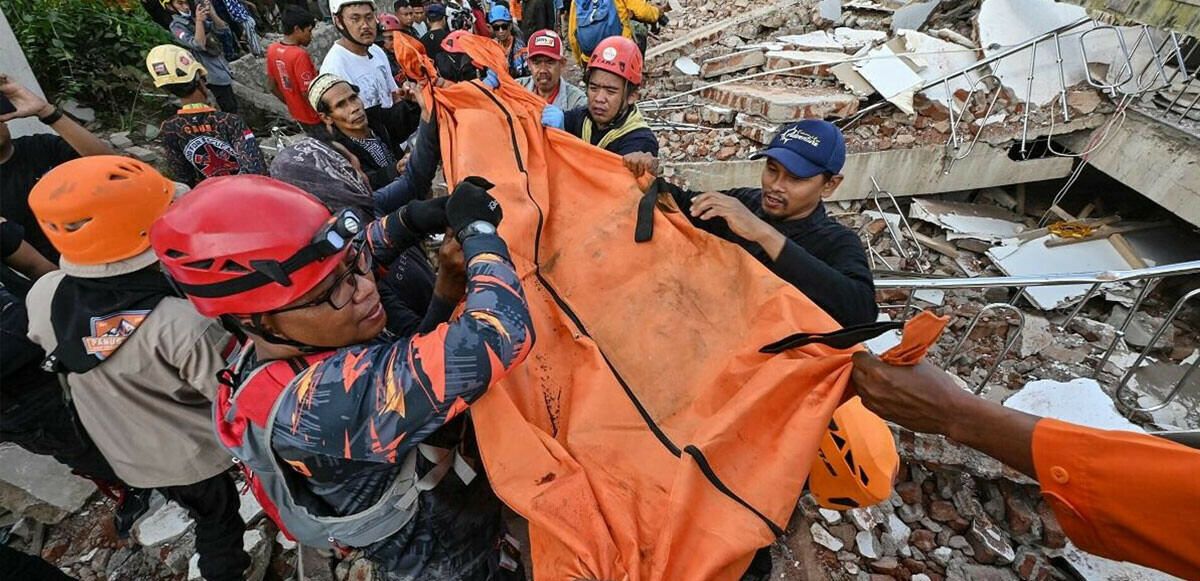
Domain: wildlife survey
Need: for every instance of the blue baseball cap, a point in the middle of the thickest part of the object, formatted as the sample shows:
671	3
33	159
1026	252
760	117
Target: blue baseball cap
807	148
435	11
499	13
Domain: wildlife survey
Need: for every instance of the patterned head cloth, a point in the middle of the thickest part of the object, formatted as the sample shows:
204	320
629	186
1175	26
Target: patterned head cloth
323	172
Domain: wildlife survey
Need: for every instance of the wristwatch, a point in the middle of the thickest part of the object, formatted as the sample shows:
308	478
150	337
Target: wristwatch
52	117
476	227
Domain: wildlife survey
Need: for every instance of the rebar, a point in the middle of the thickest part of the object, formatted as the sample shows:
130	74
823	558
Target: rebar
1118	396
1007	347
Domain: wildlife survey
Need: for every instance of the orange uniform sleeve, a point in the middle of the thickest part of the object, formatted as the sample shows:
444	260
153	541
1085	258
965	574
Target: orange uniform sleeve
1123	495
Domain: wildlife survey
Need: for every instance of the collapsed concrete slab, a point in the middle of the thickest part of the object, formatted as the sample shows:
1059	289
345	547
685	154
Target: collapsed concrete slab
39	487
783	104
1115	54
683	45
1159	161
904	172
1079	401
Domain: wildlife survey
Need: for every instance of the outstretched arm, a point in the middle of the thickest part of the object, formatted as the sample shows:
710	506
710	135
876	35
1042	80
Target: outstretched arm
29	104
379	401
1116	494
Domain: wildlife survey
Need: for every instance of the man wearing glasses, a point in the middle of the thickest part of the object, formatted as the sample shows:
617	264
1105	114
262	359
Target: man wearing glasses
501	21
356	437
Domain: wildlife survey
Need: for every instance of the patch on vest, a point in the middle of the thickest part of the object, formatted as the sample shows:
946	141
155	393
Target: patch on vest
111	331
212	156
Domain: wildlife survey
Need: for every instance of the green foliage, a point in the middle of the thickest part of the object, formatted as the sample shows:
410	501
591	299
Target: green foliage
89	50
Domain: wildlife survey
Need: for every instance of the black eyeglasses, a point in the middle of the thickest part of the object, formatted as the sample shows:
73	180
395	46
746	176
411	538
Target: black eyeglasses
501	26
358	263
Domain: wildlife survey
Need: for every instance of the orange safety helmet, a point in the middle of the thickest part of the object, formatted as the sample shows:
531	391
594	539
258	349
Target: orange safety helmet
98	209
857	461
619	56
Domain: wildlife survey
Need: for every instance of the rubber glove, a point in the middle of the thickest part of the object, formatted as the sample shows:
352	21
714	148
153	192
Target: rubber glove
491	80
552	117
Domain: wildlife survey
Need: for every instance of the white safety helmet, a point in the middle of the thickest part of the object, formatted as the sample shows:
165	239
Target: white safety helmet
336	5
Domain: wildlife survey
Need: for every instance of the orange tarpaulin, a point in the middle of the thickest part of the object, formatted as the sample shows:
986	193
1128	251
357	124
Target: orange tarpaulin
645	437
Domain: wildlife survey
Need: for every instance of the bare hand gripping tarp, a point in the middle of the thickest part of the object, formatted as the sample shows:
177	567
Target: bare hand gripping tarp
646	437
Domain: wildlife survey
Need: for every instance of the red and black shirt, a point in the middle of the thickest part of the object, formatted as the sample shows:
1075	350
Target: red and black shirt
202	142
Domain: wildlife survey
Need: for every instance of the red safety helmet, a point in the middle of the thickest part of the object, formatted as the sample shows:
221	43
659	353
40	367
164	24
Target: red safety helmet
619	56
390	22
450	43
249	244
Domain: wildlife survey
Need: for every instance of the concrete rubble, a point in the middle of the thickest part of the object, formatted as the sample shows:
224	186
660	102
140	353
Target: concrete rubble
39	487
750	66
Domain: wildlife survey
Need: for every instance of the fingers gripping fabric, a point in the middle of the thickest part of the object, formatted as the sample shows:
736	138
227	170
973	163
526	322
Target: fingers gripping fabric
645	437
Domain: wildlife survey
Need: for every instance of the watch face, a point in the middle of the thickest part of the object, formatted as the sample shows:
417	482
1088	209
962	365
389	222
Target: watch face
485	228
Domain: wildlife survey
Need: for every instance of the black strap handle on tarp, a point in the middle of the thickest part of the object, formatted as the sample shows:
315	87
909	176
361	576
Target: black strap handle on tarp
644	230
843	338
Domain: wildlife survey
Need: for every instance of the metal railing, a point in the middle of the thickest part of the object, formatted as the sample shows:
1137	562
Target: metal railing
1149	277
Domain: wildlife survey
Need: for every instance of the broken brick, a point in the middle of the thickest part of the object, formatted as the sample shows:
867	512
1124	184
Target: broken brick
732	63
1019	514
1031	565
783	104
755	129
781	60
714	115
1053	536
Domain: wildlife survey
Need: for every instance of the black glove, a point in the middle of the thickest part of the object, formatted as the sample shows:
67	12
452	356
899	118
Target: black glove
663	21
471	202
424	217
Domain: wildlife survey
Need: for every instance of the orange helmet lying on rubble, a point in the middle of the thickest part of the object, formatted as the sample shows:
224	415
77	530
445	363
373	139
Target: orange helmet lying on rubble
857	461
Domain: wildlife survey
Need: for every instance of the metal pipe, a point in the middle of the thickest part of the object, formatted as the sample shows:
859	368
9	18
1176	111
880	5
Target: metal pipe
1074	312
1062	79
1190	267
1118	396
1007	347
989	60
1120	334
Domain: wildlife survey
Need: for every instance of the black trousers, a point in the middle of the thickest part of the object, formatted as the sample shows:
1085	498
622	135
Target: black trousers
224	96
213	504
40	420
18	565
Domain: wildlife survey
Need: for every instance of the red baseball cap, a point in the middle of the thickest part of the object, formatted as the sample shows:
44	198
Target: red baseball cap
546	43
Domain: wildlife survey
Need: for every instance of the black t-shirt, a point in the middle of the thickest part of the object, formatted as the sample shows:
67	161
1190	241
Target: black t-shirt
433	40
33	156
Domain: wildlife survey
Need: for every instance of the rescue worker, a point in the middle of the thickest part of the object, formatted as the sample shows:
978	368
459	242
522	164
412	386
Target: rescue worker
438	29
388	26
628	11
501	23
341	109
546	62
140	363
611	119
360	420
33	412
201	33
199	141
1120	495
784	225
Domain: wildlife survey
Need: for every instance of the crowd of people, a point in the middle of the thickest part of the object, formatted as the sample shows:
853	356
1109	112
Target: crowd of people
320	348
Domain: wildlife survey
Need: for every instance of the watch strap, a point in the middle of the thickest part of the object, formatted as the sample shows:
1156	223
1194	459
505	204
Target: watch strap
53	117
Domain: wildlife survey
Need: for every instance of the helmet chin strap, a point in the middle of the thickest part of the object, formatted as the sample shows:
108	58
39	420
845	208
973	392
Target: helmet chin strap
255	327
